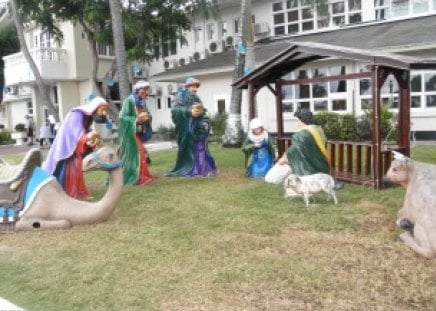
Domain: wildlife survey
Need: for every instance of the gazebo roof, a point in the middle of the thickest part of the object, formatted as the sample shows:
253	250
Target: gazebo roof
299	53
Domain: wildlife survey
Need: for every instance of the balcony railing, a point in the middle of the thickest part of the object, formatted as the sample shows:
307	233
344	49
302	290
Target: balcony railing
50	62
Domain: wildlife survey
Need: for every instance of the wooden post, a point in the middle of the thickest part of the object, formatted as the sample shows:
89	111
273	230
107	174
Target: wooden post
404	111
251	100
281	144
376	133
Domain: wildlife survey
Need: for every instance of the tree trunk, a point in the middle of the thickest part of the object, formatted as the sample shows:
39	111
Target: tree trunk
113	110
233	134
120	47
39	81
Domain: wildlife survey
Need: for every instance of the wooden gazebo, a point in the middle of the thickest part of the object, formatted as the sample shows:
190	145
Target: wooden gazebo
361	163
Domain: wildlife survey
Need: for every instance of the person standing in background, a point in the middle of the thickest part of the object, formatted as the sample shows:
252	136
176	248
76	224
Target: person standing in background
30	129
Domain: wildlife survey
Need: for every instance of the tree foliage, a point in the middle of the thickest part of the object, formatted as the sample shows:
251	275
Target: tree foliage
146	24
8	45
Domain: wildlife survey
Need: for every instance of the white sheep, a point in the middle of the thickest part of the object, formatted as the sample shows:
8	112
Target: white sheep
308	185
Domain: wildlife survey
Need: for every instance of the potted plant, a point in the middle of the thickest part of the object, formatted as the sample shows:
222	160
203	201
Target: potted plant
20	133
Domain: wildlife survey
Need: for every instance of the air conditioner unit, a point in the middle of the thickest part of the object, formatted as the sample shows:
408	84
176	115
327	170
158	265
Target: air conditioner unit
230	41
168	64
12	90
183	61
196	56
215	47
261	28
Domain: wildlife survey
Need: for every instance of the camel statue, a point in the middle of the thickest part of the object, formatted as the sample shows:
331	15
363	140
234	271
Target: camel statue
47	206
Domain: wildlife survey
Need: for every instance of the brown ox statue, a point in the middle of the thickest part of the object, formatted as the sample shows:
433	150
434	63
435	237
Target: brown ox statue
418	214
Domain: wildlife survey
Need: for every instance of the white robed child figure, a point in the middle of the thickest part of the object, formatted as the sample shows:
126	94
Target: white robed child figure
258	149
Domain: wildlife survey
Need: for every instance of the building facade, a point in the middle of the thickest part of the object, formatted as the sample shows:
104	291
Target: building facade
66	68
398	26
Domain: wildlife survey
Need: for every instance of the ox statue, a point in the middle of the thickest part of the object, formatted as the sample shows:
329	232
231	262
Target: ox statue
418	214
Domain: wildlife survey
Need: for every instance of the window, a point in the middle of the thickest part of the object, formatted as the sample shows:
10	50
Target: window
385	9
159	103
279	30
198	33
114	91
278	6
316	96
420	6
29	108
211	32
319	89
169	42
156	46
55	95
381	9
224	29
339	86
236	26
399	8
422	91
169	102
338	13
279	18
221	105
105	50
301	16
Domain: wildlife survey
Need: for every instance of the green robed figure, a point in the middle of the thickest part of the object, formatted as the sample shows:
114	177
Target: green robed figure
308	153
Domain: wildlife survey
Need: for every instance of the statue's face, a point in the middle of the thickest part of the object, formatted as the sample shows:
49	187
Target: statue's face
257	130
100	115
142	93
193	89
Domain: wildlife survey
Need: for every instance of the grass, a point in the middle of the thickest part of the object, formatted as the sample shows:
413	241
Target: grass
224	243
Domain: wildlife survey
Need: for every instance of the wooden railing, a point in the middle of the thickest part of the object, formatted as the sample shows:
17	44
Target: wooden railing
352	161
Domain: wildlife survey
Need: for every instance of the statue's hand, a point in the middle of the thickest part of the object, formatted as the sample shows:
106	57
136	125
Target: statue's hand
93	140
197	110
142	117
283	161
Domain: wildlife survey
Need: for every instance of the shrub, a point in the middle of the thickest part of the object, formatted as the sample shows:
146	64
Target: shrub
5	137
166	132
218	123
349	128
20	127
387	124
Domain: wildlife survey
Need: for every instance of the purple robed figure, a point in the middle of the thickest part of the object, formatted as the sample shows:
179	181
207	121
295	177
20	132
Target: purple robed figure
204	164
70	145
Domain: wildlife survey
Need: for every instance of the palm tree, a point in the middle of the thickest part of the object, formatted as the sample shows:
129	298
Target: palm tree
244	59
43	90
120	47
245	62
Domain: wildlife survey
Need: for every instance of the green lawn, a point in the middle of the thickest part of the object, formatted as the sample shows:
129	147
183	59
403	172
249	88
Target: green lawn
223	243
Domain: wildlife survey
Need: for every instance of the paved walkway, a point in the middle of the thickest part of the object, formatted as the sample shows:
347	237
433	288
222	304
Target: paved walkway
8	306
152	146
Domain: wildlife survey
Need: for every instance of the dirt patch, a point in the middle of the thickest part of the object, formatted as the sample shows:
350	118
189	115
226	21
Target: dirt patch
376	220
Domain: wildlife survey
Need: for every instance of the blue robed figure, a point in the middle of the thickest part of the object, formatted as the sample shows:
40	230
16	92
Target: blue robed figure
258	149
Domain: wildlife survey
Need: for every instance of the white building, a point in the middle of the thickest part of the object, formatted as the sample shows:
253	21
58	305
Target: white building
66	70
400	26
